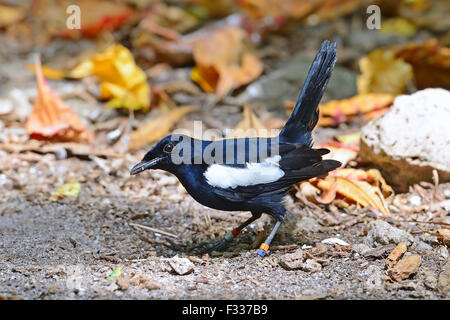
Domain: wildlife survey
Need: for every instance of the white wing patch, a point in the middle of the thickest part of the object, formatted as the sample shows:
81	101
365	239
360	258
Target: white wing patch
223	176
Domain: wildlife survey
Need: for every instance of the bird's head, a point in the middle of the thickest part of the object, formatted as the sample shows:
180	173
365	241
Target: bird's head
159	157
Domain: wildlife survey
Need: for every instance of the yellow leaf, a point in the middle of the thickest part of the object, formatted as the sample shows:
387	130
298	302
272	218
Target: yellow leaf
66	190
121	80
158	128
10	15
366	188
363	193
399	26
382	72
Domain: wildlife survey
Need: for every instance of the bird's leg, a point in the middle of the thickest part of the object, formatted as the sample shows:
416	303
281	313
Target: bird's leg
229	236
262	251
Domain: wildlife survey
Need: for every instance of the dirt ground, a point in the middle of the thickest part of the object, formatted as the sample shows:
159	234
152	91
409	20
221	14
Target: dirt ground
66	249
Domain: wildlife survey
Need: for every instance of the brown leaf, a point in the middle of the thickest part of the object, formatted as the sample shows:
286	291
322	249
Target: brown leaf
396	254
430	62
51	119
222	70
158	127
405	267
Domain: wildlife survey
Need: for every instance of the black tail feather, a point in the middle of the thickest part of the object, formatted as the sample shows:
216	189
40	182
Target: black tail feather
305	115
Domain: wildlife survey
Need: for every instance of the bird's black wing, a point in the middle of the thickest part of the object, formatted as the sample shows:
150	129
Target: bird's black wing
299	163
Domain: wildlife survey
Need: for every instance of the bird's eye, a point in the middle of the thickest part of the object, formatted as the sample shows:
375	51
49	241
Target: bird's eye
168	148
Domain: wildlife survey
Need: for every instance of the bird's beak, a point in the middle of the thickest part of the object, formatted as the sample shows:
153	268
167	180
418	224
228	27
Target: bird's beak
144	165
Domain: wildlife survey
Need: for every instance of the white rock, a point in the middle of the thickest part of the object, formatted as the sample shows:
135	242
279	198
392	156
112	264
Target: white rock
411	139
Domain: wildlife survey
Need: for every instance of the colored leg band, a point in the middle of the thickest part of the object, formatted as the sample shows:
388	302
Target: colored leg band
235	232
263	250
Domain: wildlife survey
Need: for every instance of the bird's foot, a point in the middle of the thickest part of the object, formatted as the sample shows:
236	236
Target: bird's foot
223	244
263	250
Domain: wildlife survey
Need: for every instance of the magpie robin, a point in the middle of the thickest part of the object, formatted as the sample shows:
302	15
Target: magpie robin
251	174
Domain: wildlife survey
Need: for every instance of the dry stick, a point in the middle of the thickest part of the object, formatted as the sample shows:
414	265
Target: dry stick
425	222
153	229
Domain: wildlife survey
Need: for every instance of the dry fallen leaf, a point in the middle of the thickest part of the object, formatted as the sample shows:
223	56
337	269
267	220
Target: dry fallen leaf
398	26
430	62
250	126
382	72
366	188
121	80
157	128
332	9
51	119
167	21
396	254
66	190
405	268
223	70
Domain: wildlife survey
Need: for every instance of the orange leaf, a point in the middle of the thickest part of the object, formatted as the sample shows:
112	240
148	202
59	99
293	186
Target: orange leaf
396	254
157	128
51	119
337	111
223	70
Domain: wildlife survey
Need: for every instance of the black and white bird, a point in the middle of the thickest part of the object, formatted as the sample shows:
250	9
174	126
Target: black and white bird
252	174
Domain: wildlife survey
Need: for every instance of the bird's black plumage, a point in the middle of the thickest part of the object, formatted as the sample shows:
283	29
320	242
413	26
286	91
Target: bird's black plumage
252	174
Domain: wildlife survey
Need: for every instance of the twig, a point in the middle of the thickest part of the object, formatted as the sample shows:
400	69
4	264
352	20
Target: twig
153	229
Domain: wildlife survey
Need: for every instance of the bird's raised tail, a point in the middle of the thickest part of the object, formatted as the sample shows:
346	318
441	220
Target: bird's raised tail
305	115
